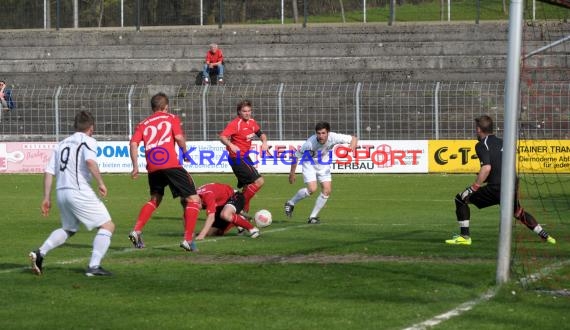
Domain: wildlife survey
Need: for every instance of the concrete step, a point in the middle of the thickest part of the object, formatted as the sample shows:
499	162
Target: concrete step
282	34
290	63
268	51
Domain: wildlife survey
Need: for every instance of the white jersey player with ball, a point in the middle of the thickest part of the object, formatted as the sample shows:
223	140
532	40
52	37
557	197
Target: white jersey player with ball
314	157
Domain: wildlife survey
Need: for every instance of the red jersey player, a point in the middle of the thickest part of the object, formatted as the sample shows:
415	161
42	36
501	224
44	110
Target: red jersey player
223	206
237	137
160	133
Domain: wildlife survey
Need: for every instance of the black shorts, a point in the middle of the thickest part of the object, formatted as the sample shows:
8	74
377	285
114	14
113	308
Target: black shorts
179	181
244	172
490	195
237	200
486	196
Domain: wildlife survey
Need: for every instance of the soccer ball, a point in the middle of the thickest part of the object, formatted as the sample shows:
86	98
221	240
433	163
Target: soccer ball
263	218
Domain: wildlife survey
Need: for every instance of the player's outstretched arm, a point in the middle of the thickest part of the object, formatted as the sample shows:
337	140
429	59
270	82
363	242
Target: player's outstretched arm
94	169
46	203
264	146
181	142
207	225
292	171
227	142
353	144
134	159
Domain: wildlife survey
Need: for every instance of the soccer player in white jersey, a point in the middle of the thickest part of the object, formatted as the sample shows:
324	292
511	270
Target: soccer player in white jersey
316	166
73	164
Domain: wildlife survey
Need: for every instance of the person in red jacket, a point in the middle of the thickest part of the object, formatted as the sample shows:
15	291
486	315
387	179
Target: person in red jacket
214	64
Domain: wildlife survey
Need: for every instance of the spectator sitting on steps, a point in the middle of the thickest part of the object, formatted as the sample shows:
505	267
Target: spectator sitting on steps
214	64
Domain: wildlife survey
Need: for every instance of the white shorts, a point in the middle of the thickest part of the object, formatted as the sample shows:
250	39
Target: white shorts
83	206
320	173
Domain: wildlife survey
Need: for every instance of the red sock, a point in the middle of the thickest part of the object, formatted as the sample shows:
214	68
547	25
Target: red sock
249	192
190	216
238	220
144	215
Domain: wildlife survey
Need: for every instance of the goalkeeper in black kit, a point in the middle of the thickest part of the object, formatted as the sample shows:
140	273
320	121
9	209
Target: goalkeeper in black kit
486	190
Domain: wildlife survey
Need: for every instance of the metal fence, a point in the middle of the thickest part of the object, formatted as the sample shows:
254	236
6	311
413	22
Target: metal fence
27	14
383	111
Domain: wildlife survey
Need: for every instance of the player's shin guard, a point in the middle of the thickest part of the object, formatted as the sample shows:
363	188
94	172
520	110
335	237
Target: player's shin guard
319	204
144	215
463	213
248	193
190	216
101	244
462	210
55	239
240	221
530	222
301	194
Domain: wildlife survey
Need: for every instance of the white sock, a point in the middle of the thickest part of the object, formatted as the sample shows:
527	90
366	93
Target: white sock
319	204
464	223
301	194
101	244
55	239
537	229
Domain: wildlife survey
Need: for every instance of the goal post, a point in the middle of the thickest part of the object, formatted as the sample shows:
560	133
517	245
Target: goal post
508	172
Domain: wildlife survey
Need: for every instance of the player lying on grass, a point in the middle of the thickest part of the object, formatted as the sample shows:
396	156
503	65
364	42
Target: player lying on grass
223	206
486	190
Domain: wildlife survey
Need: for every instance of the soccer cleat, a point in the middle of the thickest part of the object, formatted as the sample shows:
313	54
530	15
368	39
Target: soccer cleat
136	239
459	240
551	240
37	261
289	209
254	233
97	271
314	220
240	231
189	246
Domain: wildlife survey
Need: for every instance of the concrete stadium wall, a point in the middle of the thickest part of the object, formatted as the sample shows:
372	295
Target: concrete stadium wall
274	54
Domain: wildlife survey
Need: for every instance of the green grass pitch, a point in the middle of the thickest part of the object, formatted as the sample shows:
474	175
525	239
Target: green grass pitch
377	261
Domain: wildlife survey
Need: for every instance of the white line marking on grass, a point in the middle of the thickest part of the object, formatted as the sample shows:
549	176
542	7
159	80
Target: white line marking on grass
543	272
467	306
127	250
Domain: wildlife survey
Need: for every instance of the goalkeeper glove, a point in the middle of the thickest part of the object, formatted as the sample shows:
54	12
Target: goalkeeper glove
468	192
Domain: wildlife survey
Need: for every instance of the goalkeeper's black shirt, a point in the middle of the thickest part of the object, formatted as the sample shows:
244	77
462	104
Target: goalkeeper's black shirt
490	152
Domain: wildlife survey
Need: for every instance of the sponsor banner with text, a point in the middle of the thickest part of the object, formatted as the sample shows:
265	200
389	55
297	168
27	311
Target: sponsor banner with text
448	156
25	157
211	157
532	156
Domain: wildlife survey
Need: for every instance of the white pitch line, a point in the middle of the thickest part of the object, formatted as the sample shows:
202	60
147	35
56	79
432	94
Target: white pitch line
128	250
467	306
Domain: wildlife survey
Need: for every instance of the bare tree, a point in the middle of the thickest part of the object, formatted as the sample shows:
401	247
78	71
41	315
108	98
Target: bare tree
295	12
505	7
101	9
243	11
342	11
